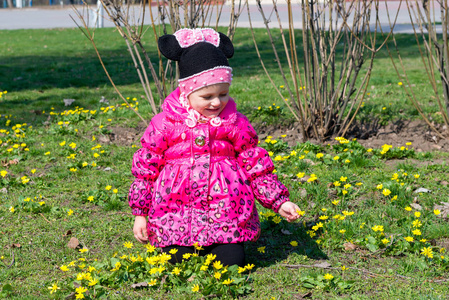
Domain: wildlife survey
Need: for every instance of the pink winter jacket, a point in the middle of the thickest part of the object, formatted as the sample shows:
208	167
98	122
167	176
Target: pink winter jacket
199	184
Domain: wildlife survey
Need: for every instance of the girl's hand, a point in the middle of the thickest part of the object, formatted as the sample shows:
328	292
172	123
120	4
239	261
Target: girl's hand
140	229
288	211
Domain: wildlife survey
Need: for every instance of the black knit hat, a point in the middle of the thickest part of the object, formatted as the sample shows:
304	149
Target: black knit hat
202	56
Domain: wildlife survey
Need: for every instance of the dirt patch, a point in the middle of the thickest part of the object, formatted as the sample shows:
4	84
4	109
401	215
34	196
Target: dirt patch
397	134
125	136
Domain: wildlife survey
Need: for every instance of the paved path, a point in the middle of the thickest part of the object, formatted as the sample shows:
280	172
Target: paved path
59	17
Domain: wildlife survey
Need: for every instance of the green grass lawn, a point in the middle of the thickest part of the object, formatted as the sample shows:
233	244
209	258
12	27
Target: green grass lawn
65	172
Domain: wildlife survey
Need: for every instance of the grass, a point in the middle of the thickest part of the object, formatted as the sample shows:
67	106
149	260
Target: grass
40	68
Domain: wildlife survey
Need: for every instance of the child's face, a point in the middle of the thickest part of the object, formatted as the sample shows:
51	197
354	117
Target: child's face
210	100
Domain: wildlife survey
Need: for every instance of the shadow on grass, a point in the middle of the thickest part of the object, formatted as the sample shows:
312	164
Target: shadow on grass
43	67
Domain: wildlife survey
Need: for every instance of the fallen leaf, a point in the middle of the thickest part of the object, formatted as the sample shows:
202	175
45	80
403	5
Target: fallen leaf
416	206
444	182
285	231
17	245
443	208
323	265
139	285
422	190
68	102
302	193
74	243
350	246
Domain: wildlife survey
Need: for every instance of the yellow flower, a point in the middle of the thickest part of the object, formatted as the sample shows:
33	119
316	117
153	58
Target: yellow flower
347	186
277	219
195	288
399	83
416	176
335	202
217	265
328	276
379	186
228	281
343	179
128	245
336	157
173	251
395	197
90	198
408	239
386	192
342	231
72	145
204	268
436	212
81	290
176	271
64	268
319	155
416	232
409	143
53	288
344	192
300	174
108	187
385	241
408	208
417	223
150	248
417	214
343	268
241	270
427	252
294	243
300	212
84	250
96	155
323	217
93	282
11	209
3	173
69	212
378	228
217	275
312	178
62	143
261	249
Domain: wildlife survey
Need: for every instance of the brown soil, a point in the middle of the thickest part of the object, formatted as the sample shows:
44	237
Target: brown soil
397	134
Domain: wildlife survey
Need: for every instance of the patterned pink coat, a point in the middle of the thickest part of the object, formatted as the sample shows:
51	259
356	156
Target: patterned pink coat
198	184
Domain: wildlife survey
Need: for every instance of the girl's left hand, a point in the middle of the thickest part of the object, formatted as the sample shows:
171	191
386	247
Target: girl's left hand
288	211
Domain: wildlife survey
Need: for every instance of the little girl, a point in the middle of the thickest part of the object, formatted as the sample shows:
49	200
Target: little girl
199	168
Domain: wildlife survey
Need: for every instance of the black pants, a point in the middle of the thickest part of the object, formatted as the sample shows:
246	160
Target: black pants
227	254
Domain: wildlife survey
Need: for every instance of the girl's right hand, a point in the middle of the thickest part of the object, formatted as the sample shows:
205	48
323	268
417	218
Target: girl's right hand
140	229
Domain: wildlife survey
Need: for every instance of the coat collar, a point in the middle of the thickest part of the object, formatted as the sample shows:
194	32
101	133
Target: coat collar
176	111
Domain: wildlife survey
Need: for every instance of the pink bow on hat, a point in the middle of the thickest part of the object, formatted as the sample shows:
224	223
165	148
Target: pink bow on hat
189	37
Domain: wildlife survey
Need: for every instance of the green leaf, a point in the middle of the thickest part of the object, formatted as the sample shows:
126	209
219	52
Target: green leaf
7	288
372	247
